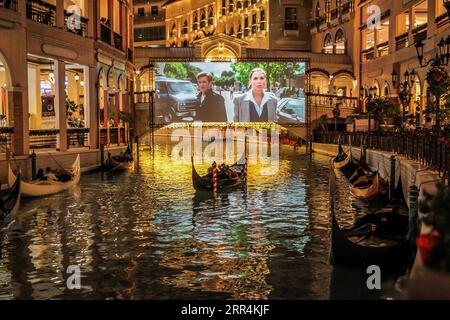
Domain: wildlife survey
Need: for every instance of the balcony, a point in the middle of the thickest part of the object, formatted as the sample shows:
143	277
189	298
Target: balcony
75	24
118	41
41	12
149	18
402	41
383	49
442	20
105	33
368	54
420	33
11	5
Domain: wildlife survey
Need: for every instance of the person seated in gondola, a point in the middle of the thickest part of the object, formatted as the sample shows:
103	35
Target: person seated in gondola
49	175
40	174
223	173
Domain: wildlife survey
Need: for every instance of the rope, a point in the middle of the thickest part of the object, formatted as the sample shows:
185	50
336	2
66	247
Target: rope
57	162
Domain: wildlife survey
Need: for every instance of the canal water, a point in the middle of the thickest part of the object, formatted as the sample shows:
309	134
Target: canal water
146	234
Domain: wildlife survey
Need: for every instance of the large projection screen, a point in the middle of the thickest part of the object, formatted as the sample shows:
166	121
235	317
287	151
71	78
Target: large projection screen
230	92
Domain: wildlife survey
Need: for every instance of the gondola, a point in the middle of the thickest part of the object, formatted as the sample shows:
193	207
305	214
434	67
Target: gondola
10	199
343	159
41	188
376	239
205	183
118	163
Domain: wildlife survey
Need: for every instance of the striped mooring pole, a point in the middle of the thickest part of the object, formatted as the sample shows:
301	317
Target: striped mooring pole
214	172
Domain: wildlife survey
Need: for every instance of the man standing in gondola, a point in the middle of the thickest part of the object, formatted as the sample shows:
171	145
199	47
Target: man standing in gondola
210	105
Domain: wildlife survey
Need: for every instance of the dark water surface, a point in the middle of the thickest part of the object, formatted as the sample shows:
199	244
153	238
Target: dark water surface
146	234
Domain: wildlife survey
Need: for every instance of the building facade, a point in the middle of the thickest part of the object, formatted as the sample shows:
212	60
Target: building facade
380	38
149	23
66	73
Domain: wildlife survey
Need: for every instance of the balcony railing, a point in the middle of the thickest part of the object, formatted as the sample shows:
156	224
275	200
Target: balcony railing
368	54
11	5
348	7
149	18
290	25
442	20
77	137
44	139
383	49
41	12
118	41
105	33
75	24
334	14
420	33
402	41
323	100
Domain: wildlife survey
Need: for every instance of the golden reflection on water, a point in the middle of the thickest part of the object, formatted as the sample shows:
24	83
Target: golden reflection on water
147	229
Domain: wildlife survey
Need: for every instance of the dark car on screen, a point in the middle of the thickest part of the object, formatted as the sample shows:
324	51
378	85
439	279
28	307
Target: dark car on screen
175	100
291	110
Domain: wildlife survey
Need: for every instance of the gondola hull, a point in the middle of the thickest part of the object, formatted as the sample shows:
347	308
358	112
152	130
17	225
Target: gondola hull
117	164
45	188
10	199
206	184
347	252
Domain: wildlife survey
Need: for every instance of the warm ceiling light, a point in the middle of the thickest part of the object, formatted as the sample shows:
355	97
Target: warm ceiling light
76	77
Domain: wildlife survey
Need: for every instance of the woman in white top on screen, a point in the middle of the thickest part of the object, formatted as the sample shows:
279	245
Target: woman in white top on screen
256	105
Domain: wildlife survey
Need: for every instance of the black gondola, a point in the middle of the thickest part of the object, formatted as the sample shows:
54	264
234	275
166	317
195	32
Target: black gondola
10	199
119	162
376	239
205	183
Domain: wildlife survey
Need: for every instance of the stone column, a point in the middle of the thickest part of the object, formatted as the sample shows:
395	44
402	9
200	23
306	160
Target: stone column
18	118
92	106
60	104
60	14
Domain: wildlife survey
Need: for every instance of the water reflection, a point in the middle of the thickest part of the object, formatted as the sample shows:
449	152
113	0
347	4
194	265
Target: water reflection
146	234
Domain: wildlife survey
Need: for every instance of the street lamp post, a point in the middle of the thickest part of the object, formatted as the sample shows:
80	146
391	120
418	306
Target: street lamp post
442	58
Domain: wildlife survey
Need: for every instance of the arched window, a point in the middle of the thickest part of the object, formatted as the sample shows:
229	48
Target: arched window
195	24
328	44
318	9
386	90
210	15
340	42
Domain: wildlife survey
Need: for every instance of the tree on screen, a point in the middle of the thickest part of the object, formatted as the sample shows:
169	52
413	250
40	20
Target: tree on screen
276	71
181	71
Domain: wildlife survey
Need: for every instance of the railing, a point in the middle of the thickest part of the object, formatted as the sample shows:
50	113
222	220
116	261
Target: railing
383	49
122	135
118	41
419	145
11	5
42	12
105	33
6	138
334	14
324	100
420	33
75	24
348	7
368	54
442	20
291	25
43	139
77	137
149	18
114	135
402	41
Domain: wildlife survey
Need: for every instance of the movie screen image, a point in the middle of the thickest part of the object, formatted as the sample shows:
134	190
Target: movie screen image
230	92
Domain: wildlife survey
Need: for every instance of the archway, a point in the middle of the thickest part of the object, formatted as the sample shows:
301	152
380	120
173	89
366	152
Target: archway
221	53
343	85
319	82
